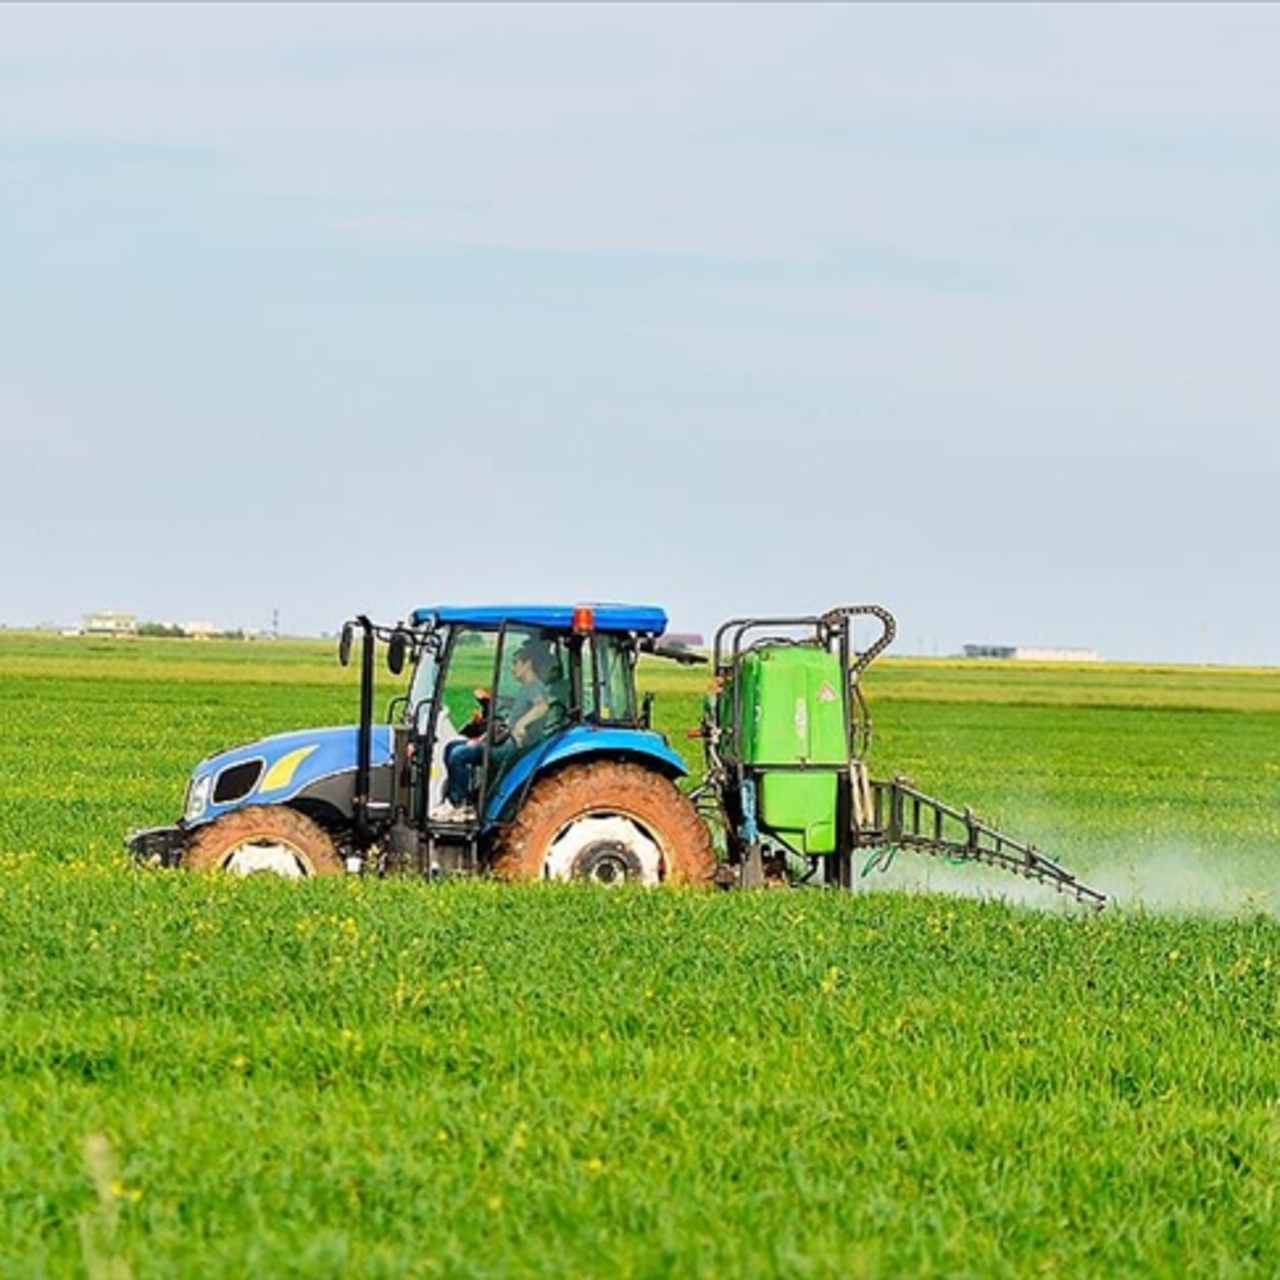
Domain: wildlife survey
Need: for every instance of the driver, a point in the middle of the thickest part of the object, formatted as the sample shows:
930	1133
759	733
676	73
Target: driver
526	712
530	703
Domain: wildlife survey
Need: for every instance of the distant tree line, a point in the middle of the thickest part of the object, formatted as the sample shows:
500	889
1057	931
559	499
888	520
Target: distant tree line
171	630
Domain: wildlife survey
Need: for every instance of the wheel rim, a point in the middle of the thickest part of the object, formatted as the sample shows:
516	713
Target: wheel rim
266	857
608	848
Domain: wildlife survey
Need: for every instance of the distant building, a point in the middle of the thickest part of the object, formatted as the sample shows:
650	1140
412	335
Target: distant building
109	623
989	651
1021	653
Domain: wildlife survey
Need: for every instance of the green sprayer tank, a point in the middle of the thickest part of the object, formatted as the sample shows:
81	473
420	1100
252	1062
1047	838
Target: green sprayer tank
795	732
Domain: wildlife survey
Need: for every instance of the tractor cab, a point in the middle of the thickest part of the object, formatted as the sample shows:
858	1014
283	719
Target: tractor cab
498	694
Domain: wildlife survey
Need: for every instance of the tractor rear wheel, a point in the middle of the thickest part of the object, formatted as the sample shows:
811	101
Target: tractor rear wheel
608	822
264	839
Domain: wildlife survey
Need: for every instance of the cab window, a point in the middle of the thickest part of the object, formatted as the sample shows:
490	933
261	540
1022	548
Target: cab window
608	681
471	659
548	669
423	688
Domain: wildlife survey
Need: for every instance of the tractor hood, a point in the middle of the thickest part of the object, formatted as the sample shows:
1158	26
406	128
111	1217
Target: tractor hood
275	770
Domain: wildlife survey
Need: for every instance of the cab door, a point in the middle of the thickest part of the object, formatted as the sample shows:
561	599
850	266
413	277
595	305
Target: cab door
494	679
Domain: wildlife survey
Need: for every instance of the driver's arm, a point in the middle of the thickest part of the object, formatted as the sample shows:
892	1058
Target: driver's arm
535	712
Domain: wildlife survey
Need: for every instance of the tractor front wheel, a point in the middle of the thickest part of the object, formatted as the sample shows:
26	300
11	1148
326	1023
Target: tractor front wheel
608	822
267	840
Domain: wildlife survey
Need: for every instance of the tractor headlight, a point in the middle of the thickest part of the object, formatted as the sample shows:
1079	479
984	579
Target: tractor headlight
198	797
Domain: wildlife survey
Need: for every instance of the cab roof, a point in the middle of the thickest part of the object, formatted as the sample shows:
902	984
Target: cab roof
640	618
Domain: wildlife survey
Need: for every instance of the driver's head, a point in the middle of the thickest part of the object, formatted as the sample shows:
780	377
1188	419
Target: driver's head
533	655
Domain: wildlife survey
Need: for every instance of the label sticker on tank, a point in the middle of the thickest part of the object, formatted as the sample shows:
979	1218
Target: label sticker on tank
826	693
802	720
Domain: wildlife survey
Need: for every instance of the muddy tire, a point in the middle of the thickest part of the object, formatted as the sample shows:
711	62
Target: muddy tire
264	839
607	822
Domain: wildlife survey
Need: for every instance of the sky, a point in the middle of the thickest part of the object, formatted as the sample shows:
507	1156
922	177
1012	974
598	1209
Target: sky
969	311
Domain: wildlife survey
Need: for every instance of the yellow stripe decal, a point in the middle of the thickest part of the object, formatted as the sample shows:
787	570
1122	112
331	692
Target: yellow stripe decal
281	773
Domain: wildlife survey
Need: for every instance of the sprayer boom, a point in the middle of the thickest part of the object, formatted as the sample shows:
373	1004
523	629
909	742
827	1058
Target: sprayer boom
904	818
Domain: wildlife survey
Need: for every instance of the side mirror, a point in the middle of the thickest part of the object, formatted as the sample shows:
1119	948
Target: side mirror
673	650
397	650
344	643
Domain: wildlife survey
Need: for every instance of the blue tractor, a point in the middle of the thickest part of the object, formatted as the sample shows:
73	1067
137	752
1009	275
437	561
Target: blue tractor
521	749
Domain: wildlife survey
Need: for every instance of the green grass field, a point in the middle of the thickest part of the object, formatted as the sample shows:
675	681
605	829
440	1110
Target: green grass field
208	1077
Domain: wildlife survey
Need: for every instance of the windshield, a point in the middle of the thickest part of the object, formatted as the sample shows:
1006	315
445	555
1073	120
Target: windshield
424	679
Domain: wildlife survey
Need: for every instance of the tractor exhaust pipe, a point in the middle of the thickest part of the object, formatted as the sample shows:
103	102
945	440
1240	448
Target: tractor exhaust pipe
364	739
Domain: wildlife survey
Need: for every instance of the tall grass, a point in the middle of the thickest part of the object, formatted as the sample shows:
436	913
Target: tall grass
210	1077
383	1077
